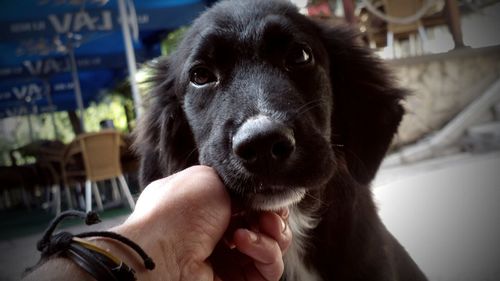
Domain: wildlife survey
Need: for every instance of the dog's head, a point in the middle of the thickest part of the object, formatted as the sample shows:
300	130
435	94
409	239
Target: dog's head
272	100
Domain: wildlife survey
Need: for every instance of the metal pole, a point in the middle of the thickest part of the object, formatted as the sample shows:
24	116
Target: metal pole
30	128
129	51
76	84
349	8
51	104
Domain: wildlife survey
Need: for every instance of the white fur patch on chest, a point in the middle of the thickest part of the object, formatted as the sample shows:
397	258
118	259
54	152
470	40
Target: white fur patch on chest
300	224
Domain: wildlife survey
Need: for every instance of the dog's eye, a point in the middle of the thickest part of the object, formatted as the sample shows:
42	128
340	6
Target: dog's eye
299	56
201	76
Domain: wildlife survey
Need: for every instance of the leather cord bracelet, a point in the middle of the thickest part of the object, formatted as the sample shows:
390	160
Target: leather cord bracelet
99	263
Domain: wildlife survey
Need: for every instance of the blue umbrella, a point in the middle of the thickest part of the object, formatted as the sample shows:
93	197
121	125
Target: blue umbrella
35	95
28	29
31	18
96	52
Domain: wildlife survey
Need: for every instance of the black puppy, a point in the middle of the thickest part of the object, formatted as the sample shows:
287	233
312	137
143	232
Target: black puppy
290	113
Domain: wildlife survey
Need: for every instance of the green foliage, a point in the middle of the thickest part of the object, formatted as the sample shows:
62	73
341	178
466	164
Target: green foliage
169	44
53	126
116	106
15	131
111	107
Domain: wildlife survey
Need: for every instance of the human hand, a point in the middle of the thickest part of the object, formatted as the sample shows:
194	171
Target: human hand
180	220
257	242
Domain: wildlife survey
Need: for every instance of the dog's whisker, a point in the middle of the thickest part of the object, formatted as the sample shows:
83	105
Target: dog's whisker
194	150
308	104
316	199
307	107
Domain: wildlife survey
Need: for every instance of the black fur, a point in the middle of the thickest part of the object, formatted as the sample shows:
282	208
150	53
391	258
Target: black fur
342	106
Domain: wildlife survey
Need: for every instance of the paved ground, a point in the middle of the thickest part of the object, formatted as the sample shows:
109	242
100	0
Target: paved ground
17	254
446	212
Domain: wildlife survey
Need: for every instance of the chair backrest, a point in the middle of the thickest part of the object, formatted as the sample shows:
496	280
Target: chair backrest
101	154
401	9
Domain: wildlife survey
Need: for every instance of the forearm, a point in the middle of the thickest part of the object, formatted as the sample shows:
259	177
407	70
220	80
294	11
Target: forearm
58	268
62	268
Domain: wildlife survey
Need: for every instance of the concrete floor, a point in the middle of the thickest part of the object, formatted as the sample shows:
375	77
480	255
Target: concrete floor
446	213
18	254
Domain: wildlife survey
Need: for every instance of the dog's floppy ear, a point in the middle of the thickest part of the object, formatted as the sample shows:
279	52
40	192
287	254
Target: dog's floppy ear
163	137
367	109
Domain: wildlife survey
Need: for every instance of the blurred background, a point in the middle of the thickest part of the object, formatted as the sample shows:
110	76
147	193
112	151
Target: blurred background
71	92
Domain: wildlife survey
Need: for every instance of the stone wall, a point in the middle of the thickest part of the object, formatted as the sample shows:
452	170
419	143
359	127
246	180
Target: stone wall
442	85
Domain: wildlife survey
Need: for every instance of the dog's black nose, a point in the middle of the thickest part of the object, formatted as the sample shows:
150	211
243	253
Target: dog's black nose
262	141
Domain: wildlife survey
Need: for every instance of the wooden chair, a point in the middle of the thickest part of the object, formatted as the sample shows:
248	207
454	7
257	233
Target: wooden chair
100	154
381	33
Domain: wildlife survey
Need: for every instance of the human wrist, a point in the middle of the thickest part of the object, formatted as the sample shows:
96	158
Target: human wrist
176	254
95	256
157	248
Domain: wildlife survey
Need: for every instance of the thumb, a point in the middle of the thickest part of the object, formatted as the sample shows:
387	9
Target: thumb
206	209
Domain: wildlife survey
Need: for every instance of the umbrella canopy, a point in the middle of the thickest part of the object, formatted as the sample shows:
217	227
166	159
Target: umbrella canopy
96	52
35	95
32	18
33	32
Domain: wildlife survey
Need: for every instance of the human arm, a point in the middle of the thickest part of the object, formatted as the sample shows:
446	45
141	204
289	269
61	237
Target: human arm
179	221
